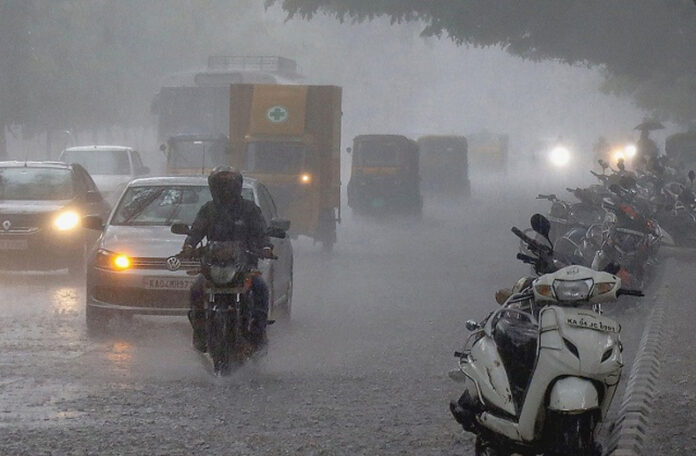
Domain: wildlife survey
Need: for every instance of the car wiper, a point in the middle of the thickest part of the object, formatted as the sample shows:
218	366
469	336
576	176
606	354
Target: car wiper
142	204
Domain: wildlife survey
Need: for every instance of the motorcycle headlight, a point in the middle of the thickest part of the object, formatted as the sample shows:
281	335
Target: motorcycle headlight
222	275
67	220
572	290
630	150
559	156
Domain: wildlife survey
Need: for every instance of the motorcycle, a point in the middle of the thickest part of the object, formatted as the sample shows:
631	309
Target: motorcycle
227	268
526	390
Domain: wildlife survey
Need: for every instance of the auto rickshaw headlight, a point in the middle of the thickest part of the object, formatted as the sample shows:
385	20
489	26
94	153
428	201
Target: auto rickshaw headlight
67	220
559	156
305	178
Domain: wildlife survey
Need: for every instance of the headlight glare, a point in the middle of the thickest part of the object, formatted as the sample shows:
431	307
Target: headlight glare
559	156
67	220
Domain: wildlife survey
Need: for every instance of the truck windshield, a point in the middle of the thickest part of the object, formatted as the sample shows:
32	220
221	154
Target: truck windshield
164	205
197	155
100	162
35	184
275	157
377	153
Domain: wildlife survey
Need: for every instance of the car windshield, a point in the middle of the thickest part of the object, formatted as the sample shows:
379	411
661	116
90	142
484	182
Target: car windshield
164	205
269	157
100	162
35	183
197	155
377	153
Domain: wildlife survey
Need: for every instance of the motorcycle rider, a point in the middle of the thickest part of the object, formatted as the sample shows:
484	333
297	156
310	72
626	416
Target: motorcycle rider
229	217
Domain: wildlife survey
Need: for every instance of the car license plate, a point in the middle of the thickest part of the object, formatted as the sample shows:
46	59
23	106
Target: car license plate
13	244
168	283
593	323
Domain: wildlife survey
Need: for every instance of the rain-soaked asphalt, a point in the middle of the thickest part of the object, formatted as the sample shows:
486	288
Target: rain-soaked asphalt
360	370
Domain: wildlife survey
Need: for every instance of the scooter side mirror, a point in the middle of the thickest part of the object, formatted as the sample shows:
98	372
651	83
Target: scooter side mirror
472	325
541	225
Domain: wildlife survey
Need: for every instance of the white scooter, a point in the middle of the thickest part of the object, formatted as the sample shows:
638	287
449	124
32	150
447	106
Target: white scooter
540	372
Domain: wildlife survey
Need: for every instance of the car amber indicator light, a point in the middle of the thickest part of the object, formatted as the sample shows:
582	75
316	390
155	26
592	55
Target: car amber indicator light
122	262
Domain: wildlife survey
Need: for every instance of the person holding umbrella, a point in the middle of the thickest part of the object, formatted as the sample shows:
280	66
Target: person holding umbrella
647	151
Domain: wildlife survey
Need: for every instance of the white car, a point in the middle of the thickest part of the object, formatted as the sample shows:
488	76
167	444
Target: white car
111	167
133	270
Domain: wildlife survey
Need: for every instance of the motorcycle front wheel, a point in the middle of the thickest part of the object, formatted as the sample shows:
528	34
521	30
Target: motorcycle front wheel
571	434
220	339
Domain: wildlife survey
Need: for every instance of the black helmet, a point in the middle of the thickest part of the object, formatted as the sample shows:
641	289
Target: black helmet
225	184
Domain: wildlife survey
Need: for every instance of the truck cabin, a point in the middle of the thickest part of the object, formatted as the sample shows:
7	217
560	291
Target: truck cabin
196	154
385	154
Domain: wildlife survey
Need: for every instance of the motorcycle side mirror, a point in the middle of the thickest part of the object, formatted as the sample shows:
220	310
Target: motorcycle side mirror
472	325
163	147
180	228
692	176
349	150
612	268
541	225
603	164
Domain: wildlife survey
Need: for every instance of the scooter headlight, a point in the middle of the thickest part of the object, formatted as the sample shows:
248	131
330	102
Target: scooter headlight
572	290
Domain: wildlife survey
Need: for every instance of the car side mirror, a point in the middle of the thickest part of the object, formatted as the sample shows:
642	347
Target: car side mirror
276	233
180	228
93	196
281	224
93	222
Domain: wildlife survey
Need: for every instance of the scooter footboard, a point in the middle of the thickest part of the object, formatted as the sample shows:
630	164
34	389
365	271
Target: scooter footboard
573	394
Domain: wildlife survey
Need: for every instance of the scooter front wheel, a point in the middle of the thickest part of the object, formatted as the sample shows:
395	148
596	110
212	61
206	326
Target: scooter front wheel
485	447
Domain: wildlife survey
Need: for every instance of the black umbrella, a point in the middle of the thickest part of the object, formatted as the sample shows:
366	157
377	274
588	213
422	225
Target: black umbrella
650	125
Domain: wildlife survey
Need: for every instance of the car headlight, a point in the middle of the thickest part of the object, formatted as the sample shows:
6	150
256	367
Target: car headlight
572	290
559	156
111	260
305	178
67	220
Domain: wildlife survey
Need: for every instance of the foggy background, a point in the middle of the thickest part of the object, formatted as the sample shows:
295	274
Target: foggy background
100	73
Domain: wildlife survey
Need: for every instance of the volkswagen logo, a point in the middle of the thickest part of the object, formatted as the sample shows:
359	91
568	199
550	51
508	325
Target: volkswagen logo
6	225
173	263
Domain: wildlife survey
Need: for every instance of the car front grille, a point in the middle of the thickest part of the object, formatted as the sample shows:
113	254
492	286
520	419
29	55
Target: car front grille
161	263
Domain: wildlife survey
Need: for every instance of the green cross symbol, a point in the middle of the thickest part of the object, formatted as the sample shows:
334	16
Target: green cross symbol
277	114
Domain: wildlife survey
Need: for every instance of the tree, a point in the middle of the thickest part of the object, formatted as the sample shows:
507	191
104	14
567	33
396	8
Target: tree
645	47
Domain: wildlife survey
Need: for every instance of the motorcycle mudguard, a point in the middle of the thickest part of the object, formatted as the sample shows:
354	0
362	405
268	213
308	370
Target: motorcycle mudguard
573	394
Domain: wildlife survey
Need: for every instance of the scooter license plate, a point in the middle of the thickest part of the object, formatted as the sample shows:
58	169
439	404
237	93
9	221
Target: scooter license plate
593	323
13	244
168	283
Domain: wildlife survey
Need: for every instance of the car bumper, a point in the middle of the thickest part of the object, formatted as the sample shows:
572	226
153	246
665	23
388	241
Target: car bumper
131	291
40	250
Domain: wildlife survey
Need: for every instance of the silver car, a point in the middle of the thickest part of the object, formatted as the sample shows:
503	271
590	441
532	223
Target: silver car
132	269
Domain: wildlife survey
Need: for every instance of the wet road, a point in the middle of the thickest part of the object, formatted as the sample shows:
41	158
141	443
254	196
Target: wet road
361	369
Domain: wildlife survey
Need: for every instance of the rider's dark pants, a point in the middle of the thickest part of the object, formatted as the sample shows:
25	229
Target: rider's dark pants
259	291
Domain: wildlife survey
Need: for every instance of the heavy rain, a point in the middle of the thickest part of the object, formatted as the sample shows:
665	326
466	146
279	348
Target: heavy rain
463	228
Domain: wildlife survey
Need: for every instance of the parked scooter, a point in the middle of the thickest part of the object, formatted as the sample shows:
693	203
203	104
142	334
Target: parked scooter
540	372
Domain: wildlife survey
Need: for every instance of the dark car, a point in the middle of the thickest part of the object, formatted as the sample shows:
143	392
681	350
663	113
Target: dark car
41	206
